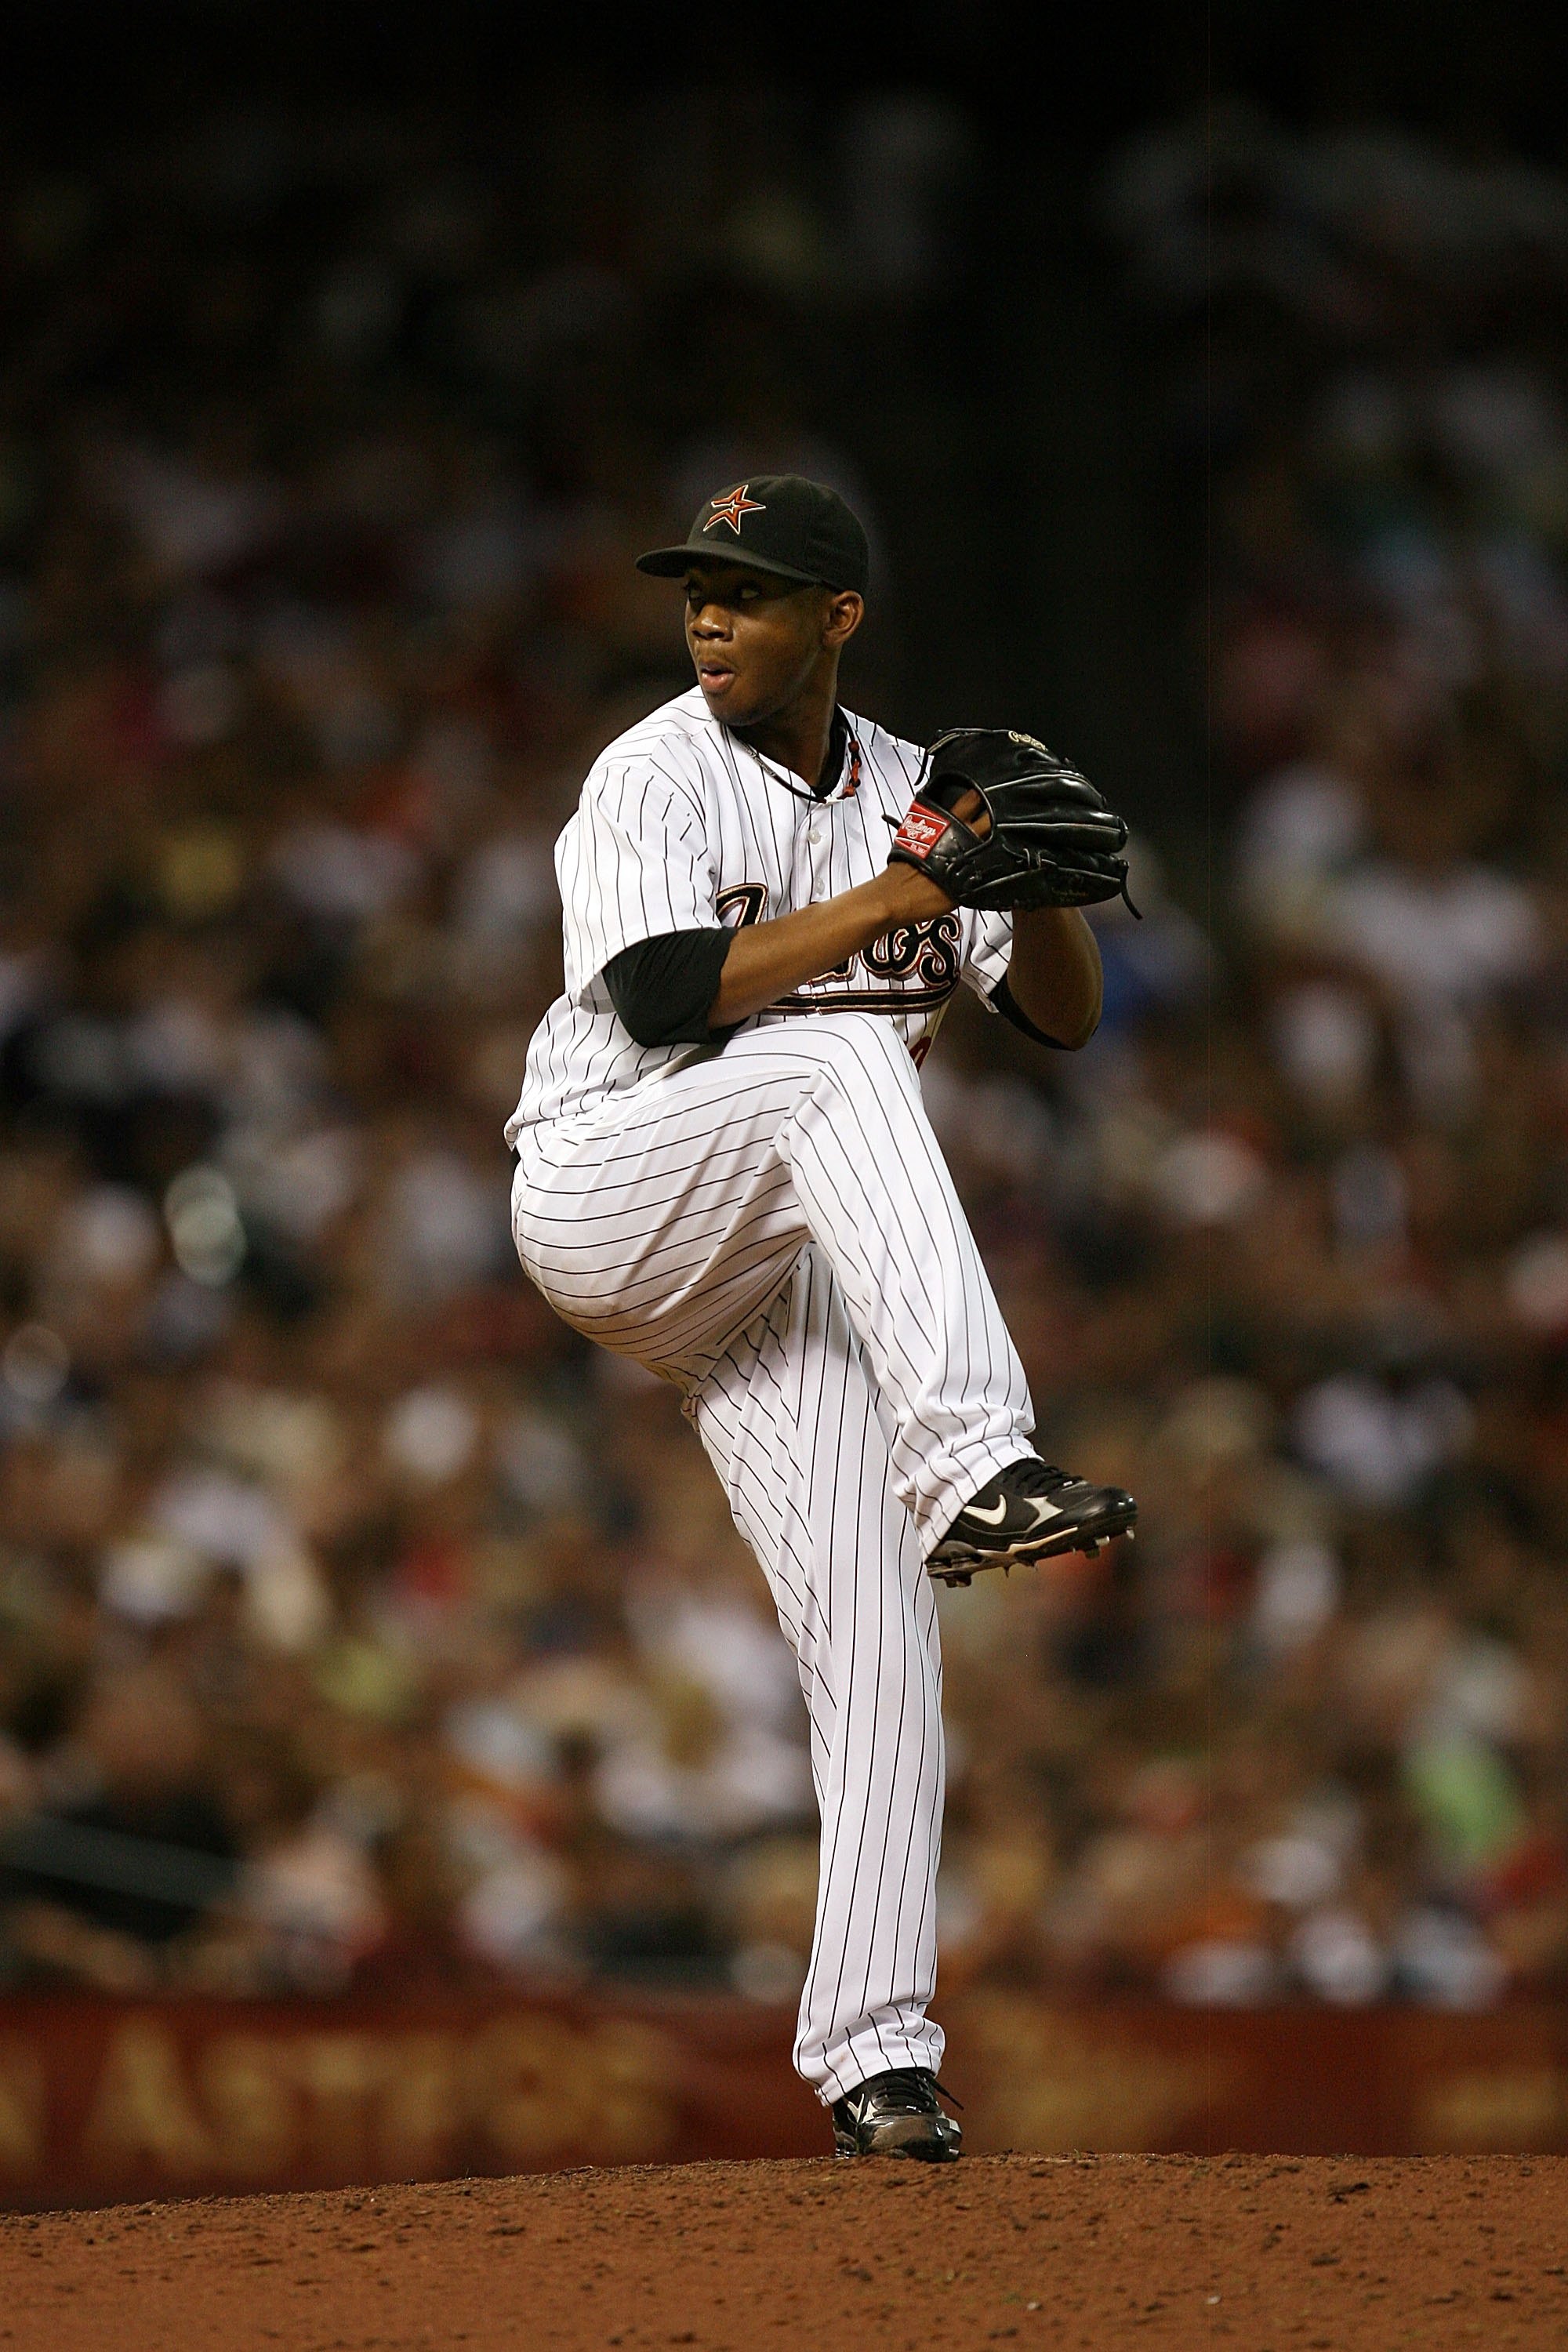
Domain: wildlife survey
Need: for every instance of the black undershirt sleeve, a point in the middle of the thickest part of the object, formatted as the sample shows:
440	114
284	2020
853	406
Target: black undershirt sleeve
1003	1001
663	989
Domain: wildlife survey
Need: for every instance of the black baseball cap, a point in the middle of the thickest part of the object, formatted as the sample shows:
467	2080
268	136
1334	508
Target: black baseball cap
775	523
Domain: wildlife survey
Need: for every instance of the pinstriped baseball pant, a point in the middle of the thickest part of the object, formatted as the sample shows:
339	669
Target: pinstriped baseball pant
773	1228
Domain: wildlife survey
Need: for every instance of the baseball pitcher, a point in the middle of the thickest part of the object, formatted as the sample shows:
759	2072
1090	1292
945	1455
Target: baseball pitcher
724	1169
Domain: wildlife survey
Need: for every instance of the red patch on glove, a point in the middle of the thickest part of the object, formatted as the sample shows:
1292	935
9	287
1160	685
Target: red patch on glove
921	831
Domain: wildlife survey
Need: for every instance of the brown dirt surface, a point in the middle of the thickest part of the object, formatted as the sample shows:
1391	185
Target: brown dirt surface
1271	2253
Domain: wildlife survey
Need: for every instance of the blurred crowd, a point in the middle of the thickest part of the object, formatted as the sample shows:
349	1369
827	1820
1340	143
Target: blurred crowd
359	1624
1322	1202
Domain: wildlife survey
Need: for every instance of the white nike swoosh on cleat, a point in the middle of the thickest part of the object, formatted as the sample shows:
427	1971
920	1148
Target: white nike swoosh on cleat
993	1518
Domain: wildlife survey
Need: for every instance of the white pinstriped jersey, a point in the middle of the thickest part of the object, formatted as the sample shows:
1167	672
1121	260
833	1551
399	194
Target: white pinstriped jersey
682	826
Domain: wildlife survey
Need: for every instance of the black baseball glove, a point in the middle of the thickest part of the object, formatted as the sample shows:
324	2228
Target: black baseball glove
1051	840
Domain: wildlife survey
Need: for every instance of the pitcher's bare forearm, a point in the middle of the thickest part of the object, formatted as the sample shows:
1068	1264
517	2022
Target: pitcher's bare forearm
766	960
1055	974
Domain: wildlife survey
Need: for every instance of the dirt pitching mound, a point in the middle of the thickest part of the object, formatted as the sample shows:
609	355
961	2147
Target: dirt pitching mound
1271	2253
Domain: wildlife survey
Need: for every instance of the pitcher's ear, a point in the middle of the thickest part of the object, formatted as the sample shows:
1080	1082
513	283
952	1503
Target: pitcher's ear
846	611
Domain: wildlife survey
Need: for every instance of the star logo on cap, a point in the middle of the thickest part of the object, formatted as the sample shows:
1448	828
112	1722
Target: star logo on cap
732	506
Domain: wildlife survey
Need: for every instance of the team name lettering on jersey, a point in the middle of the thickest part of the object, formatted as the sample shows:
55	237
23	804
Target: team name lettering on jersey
923	956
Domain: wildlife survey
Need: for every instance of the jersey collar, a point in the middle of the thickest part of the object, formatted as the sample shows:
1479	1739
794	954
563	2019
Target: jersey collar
841	772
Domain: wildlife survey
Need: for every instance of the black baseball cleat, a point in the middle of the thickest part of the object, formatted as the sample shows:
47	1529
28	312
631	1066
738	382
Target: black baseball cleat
896	2115
1031	1510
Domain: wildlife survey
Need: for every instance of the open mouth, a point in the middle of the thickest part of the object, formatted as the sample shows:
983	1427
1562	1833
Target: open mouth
713	676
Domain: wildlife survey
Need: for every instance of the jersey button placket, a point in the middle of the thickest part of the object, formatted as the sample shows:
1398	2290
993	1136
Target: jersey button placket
819	850
806	860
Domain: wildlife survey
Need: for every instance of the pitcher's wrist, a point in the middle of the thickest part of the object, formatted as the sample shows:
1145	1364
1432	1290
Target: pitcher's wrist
911	896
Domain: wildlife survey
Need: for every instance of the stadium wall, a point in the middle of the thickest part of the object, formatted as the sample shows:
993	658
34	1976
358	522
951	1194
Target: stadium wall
105	2101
